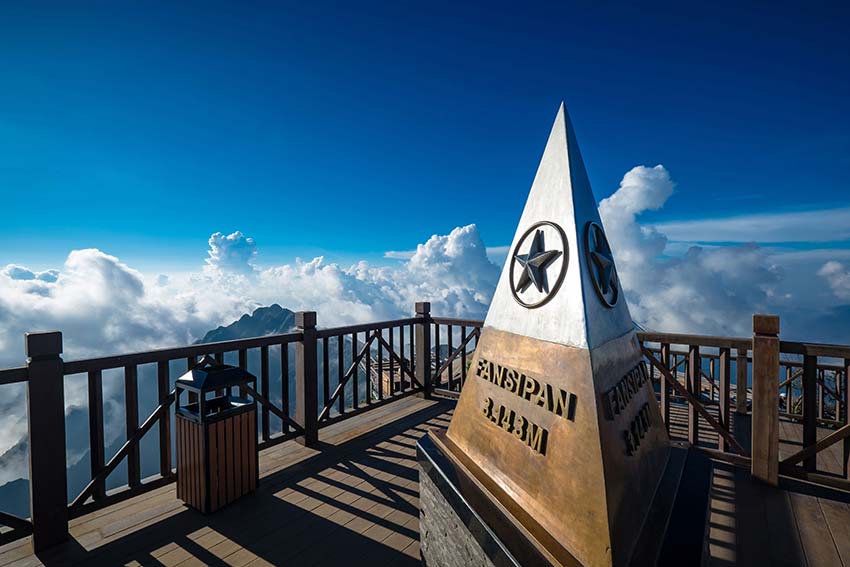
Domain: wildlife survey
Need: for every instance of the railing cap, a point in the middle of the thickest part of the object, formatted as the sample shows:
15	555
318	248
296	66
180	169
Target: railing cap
44	343
423	307
766	324
305	319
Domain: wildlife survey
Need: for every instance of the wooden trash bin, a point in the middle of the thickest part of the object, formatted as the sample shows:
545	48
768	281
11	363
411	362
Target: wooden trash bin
216	437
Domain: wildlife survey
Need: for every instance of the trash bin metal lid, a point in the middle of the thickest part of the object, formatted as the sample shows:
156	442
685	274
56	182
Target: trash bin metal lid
210	375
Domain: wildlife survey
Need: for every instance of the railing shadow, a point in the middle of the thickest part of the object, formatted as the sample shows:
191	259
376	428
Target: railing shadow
298	514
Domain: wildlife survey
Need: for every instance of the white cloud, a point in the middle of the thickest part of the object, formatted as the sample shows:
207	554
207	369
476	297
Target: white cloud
496	254
450	271
232	253
825	225
838	278
697	289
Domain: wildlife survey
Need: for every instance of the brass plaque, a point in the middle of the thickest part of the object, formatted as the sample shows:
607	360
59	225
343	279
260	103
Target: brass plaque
572	438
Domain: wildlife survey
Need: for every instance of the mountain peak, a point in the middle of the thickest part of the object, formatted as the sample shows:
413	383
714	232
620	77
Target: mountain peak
271	320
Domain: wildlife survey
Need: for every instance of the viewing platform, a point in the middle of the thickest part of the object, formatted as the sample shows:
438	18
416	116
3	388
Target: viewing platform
354	500
351	496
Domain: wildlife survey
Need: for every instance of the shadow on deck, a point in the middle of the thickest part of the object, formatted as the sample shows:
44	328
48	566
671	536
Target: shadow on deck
797	523
355	501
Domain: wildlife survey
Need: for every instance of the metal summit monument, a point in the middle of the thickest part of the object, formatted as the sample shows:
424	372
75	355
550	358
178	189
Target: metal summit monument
557	448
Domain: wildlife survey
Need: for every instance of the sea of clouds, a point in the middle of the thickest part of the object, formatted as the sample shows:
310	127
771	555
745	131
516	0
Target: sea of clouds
104	306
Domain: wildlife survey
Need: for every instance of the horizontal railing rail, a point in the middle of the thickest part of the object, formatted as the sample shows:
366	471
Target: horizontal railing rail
15	527
695	340
814	349
169	354
13	375
366	327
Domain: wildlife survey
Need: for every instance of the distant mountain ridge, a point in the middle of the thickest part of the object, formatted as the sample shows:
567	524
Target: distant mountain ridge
271	320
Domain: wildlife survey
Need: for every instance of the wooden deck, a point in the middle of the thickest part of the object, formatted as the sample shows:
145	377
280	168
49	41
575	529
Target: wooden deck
355	502
798	523
751	523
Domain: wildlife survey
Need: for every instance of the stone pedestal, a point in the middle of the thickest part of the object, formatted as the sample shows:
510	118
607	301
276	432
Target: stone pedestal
444	539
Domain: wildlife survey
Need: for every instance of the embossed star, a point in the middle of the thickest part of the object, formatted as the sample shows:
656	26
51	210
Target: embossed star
605	263
605	275
534	265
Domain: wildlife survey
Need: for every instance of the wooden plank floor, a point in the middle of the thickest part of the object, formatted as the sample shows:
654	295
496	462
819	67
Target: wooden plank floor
798	523
354	502
751	523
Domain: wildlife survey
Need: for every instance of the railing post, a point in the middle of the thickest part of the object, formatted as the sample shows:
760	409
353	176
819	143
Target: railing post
845	464
693	383
725	363
307	379
765	424
712	372
423	348
665	387
810	405
741	381
46	416
163	388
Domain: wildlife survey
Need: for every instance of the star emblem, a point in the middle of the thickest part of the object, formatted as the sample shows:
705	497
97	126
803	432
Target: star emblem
602	269
535	264
536	275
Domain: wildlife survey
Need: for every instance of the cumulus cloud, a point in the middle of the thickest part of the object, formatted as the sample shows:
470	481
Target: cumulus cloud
675	286
838	278
232	253
495	254
703	290
98	302
451	271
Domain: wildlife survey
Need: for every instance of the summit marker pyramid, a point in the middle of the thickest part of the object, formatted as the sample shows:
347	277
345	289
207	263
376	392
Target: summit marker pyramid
561	194
558	420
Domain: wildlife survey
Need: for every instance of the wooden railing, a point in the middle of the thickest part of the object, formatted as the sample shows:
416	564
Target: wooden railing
450	366
307	380
13	527
372	367
823	375
169	365
313	377
696	404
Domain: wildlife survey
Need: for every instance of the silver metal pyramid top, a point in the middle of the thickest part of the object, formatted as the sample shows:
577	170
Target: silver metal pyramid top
560	283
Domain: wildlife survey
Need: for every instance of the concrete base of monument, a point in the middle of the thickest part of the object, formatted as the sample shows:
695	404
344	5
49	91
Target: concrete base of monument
462	523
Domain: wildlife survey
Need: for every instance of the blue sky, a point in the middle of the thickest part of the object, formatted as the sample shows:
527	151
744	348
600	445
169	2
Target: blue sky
349	131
